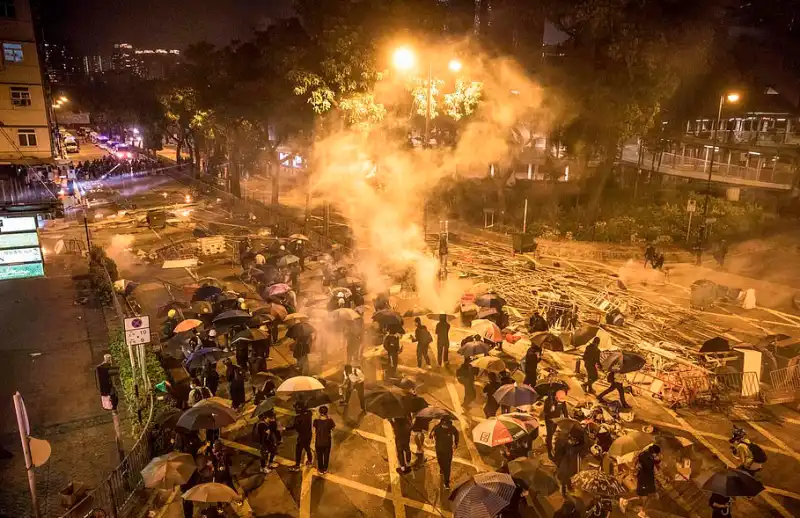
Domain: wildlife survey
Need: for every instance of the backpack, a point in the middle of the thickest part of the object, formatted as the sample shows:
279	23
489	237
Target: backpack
758	454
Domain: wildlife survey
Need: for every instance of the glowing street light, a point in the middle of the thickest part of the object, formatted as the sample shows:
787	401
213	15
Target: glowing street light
63	99
732	97
404	58
454	65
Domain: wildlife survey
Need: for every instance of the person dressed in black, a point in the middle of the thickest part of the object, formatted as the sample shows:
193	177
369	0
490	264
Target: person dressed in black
649	254
568	510
302	348
591	360
466	376
647	462
354	334
720	506
532	357
614	384
567	460
104	377
442	340
505	379
235	377
402	440
323	427
269	437
554	407
537	323
491	405
211	377
424	339
392	345
221	462
303	425
446	437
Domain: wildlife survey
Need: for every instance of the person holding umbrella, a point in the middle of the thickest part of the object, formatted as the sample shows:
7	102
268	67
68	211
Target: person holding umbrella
391	343
221	462
198	392
491	406
235	377
323	426
591	359
302	348
424	339
442	340
419	429
353	380
555	406
647	462
402	441
532	357
466	376
303	425
446	438
567	460
720	506
269	437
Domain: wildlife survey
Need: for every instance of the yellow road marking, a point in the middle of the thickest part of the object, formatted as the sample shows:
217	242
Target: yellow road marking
477	461
394	476
763	431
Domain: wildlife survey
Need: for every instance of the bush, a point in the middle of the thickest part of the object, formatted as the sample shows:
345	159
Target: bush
100	281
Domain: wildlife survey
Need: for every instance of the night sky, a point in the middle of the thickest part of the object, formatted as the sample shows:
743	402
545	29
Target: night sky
93	26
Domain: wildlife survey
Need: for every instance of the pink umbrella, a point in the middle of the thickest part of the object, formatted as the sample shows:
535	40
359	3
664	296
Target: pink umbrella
279	289
487	329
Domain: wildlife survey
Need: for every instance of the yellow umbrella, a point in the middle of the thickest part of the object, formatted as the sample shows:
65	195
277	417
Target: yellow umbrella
168	471
489	364
188	325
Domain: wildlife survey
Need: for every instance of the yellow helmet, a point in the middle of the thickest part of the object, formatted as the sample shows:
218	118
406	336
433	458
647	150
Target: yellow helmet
171	313
243	306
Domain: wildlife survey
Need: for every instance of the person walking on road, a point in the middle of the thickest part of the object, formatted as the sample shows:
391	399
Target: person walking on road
442	340
532	357
402	440
466	376
446	437
391	343
649	254
221	462
353	381
419	430
647	462
269	437
491	405
302	348
554	408
323	427
614	384
235	376
567	460
424	339
197	392
303	425
591	360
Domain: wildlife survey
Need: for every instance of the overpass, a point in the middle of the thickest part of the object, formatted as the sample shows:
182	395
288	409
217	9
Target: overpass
771	175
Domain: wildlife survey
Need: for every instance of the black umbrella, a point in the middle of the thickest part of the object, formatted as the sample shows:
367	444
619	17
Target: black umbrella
210	416
174	346
530	473
483	495
566	426
584	334
715	345
490	300
287	260
733	482
204	356
387	317
175	304
250	335
474	347
551	385
300	330
206	293
234	317
392	402
548	341
259	320
515	395
434	412
167	418
622	362
265	406
316	399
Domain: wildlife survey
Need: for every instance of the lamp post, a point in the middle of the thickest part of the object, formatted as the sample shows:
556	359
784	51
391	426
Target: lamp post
702	236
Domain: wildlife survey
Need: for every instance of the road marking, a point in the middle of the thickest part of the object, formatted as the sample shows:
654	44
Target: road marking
305	493
713	449
711	435
394	476
462	421
763	431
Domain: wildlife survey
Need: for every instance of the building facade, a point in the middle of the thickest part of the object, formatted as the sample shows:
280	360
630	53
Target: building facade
25	136
60	65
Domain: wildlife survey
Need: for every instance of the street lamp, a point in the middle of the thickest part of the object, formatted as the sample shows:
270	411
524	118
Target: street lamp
454	65
731	97
404	58
63	99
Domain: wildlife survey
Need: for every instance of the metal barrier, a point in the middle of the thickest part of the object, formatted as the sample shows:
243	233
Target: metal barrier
787	378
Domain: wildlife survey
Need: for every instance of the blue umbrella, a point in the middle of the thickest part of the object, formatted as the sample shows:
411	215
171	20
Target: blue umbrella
204	356
515	395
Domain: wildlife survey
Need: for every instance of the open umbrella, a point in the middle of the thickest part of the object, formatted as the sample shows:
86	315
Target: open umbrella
202	307
259	378
206	293
300	331
298	237
287	260
234	317
265	406
530	422
438	316
776	339
295	318
278	289
250	335
215	400
204	356
598	483
167	418
530	472
487	329
622	362
551	385
487	312
345	315
482	496
566	426
715	345
175	304
629	445
259	320
490	300
211	281
387	317
388	403
548	341
168	471
434	412
341	290
473	348
211	492
515	395
489	364
187	325
733	482
297	384
496	432
274	310
207	417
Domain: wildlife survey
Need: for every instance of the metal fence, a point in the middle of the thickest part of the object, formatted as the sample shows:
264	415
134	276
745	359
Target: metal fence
787	378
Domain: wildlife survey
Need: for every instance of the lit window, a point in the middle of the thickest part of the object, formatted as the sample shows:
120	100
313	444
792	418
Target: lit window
27	137
8	9
20	96
12	52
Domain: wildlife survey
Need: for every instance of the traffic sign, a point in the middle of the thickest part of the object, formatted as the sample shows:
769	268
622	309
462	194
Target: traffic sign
137	330
691	206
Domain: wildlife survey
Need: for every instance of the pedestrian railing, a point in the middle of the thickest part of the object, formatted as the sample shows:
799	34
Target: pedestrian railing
787	378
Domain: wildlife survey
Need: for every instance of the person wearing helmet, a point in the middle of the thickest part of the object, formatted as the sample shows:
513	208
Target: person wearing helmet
751	456
168	329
